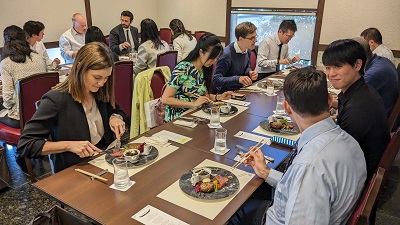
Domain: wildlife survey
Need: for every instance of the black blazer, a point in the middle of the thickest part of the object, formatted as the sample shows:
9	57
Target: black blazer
117	37
64	119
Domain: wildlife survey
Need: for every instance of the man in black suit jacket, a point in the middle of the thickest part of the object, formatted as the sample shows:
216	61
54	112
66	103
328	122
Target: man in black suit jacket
123	38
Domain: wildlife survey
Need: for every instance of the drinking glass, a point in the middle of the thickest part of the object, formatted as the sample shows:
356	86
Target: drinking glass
279	105
220	140
270	88
214	120
121	176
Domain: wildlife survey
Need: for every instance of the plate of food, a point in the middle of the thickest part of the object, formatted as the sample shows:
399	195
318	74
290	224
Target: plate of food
212	183
225	109
280	124
277	84
128	152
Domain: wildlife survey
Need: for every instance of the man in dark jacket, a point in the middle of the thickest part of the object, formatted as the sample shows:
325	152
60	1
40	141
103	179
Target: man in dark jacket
124	38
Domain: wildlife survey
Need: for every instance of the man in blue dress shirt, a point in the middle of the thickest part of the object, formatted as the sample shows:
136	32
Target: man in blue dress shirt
326	171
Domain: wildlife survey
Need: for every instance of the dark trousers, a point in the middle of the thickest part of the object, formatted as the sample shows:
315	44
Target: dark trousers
10	122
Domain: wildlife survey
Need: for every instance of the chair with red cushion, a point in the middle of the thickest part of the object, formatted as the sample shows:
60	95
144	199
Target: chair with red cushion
394	115
390	153
362	213
123	85
30	90
198	34
253	59
168	58
107	38
157	83
166	35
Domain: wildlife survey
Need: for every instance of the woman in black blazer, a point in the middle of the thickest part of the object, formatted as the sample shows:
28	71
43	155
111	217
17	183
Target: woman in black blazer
80	114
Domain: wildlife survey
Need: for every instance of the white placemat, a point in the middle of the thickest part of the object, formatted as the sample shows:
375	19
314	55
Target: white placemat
162	152
293	137
209	210
223	119
237	102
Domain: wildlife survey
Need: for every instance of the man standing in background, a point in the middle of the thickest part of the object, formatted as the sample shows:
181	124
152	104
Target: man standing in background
374	38
73	39
274	50
124	38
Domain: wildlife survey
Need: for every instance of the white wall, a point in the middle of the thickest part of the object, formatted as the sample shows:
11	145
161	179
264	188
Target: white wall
55	14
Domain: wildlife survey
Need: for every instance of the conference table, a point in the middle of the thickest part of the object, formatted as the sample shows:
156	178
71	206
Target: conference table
104	205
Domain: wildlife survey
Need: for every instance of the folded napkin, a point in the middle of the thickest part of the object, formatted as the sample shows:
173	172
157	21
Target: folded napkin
185	123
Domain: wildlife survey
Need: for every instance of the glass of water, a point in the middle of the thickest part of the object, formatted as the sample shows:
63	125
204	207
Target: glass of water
220	140
279	105
214	120
270	88
121	176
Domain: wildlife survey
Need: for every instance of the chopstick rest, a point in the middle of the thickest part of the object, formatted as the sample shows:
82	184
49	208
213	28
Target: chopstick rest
91	175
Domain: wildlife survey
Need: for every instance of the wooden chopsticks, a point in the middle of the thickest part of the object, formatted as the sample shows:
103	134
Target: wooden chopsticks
91	174
247	155
198	96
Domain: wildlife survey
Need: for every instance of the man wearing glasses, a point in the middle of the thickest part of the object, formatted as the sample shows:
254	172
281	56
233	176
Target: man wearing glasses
274	50
233	67
73	39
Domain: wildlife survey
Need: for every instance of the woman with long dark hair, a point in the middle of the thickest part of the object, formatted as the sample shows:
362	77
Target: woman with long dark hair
190	78
150	46
18	61
183	40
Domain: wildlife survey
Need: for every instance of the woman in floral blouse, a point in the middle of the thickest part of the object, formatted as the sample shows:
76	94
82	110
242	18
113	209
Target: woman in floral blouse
192	77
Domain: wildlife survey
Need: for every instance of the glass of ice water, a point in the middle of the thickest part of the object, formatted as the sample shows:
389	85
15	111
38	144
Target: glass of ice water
270	88
279	105
214	120
220	140
121	176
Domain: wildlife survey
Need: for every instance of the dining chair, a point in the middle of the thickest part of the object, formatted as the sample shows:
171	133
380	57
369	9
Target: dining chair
364	213
168	58
30	90
198	34
390	153
157	84
166	35
253	59
394	115
107	38
123	85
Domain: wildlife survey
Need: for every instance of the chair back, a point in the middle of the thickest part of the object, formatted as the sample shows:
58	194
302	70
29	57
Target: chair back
253	59
123	85
362	212
390	153
107	38
30	90
168	58
157	84
394	114
166	35
198	34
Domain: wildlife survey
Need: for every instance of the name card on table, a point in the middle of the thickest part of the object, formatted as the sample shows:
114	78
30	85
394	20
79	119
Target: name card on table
252	137
153	216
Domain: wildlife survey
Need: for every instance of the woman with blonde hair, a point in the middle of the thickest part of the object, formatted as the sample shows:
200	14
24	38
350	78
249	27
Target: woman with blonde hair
80	114
183	40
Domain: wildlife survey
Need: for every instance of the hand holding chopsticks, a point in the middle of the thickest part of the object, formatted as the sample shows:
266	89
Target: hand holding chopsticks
247	155
198	96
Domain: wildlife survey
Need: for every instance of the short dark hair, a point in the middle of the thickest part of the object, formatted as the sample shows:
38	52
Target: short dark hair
93	34
372	34
33	27
306	91
288	25
127	13
244	29
344	51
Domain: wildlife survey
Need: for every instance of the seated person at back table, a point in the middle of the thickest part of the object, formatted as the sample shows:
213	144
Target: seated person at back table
150	46
93	34
17	61
124	38
326	170
274	50
233	71
191	76
35	31
374	38
361	111
80	114
73	39
183	40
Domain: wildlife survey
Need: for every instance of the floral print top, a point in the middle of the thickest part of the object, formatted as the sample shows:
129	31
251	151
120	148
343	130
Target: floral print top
187	80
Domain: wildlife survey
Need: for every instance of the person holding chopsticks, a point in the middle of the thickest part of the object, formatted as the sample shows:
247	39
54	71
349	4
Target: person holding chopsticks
190	83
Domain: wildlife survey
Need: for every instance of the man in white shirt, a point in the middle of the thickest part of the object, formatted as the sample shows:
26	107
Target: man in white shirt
124	38
35	31
274	50
374	38
73	39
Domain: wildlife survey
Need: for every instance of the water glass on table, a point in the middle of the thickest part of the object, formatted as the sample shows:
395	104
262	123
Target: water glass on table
279	105
220	140
270	88
121	176
214	119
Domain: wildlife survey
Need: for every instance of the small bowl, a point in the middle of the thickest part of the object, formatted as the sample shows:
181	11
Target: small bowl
203	172
132	155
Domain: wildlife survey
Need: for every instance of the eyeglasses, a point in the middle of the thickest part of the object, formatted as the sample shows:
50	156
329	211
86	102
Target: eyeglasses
251	38
289	36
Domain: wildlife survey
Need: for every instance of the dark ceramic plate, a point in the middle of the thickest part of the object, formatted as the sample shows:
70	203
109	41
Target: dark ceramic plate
225	192
143	159
265	124
206	109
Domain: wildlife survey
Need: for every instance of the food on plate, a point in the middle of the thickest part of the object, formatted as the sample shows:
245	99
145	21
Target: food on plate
221	180
207	187
131	153
137	146
205	180
282	124
117	153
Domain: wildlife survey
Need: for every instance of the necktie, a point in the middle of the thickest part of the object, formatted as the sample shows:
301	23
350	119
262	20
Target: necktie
127	37
279	56
293	154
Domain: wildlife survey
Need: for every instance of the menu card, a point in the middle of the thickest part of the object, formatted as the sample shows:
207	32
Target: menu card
173	136
252	137
153	216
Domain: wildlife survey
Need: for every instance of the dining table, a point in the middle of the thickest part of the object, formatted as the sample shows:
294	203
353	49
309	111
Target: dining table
157	184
